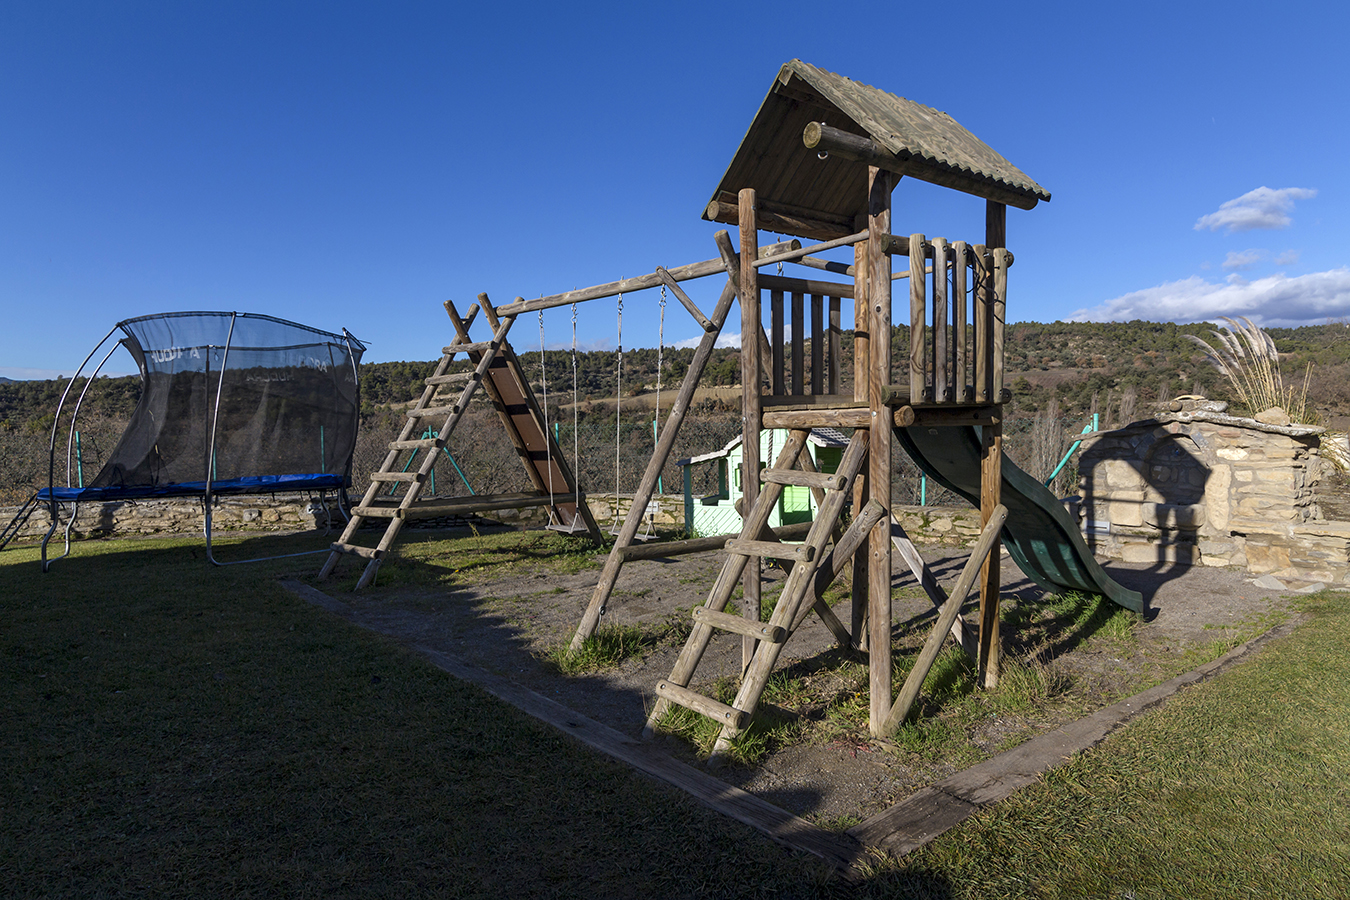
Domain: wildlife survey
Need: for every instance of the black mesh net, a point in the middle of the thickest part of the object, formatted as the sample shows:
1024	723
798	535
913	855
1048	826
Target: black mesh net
281	399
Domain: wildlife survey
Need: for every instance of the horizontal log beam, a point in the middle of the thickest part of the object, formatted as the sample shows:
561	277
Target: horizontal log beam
767	254
836	142
662	549
805	286
779	221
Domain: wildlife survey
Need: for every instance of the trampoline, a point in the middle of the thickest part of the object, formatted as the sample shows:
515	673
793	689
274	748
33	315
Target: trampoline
231	403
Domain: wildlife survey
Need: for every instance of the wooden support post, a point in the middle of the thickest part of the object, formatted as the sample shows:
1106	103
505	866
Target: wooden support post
991	463
861	355
817	343
751	408
879	186
991	496
942	391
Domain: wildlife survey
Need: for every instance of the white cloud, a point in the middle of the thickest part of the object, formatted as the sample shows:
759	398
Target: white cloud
1261	208
1287	258
1243	259
724	339
1278	300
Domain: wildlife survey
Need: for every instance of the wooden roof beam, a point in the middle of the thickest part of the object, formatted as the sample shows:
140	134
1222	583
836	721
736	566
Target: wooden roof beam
825	139
802	224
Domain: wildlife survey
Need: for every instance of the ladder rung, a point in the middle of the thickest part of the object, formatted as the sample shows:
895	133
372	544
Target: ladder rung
427	412
420	444
707	706
455	378
823	480
379	512
763	631
395	476
366	552
771	549
466	348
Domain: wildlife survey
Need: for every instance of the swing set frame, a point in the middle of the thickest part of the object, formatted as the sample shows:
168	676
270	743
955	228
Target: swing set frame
836	189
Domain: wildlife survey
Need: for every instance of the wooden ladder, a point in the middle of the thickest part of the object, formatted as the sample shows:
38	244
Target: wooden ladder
429	406
812	571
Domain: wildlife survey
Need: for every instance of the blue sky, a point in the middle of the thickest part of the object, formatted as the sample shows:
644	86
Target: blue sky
354	165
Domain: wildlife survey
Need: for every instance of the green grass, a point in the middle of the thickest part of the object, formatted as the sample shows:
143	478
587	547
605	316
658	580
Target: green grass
1237	787
178	730
421	559
173	729
610	646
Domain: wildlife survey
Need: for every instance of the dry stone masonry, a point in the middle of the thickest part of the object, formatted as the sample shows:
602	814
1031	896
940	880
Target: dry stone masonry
1198	486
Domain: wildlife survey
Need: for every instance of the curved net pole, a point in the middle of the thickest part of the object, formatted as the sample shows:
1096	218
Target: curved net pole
53	505
211	444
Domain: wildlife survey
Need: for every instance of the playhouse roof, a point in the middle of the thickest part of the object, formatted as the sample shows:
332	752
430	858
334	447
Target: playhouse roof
790	178
821	437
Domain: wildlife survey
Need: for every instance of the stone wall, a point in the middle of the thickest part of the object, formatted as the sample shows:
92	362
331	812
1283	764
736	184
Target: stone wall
1201	487
259	512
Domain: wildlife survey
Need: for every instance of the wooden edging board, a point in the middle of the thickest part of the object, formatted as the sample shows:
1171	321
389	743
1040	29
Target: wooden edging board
905	827
929	813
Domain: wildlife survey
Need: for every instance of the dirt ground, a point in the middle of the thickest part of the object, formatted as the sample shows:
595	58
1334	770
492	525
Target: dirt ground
508	627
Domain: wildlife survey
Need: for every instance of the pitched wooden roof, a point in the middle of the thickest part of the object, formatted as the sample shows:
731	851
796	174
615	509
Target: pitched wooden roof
790	178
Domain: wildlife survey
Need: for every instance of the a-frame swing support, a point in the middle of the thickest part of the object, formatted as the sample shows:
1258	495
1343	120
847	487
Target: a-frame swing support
497	371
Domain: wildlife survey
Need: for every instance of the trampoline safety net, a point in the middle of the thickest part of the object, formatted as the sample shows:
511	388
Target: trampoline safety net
280	398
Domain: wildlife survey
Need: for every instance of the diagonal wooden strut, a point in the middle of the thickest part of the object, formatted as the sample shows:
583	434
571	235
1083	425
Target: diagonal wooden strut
590	620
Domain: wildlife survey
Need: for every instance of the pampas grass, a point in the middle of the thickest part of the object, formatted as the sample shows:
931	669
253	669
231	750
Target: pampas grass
1247	357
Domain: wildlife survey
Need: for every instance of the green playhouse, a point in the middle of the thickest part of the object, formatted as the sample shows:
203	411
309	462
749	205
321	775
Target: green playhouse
717	513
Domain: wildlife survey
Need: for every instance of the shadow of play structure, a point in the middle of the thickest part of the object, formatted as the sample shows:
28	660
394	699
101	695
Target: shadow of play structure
820	161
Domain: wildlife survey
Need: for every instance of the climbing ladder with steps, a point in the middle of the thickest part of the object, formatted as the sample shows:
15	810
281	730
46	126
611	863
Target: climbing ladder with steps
812	570
497	370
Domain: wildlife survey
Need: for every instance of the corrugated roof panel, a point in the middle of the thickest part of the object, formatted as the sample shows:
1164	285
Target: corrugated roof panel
773	160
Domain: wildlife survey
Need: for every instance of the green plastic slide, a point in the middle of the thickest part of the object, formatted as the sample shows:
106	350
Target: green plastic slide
1040	535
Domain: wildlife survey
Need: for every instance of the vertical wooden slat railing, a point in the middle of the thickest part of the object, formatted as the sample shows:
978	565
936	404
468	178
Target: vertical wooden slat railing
918	315
817	343
776	332
983	320
961	316
798	345
942	370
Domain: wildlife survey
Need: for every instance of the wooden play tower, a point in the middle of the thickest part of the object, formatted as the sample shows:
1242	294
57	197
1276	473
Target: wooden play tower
820	162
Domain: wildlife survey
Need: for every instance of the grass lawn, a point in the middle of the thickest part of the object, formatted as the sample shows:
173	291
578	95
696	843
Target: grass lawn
177	730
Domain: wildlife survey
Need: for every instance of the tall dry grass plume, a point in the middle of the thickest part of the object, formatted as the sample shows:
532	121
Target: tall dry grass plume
1247	357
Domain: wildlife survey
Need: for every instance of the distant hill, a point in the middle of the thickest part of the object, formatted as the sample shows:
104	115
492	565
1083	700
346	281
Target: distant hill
1072	363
